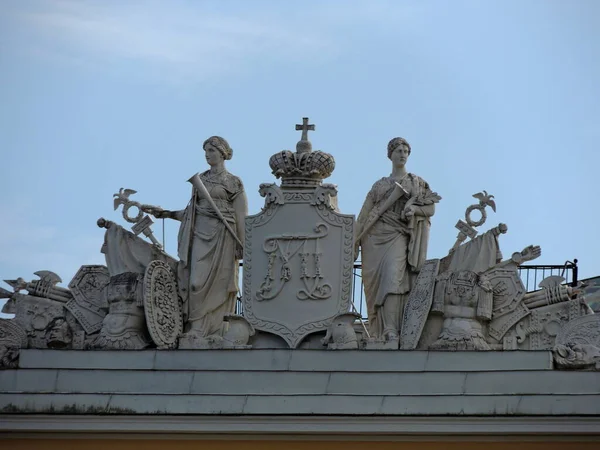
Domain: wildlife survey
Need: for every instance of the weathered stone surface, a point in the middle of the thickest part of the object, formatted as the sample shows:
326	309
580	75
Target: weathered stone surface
546	322
313	290
300	383
239	332
253	383
392	231
418	305
286	359
459	405
124	327
298	253
467	302
531	382
56	403
581	330
297	382
396	383
340	334
126	381
12	338
110	359
36	315
37	380
161	305
223	360
432	428
577	356
89	304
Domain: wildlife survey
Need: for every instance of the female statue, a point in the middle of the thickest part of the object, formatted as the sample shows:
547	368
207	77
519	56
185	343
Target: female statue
209	243
392	232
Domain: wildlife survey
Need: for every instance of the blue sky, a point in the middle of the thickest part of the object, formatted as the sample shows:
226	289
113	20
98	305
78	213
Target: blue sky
495	95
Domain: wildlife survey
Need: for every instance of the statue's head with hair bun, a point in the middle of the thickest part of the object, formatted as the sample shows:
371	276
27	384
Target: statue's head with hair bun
221	145
395	143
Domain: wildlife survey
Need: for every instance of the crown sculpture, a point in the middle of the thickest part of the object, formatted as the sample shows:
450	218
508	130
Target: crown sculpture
305	167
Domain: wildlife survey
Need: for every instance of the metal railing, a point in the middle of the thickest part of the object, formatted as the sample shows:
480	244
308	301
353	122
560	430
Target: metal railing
531	275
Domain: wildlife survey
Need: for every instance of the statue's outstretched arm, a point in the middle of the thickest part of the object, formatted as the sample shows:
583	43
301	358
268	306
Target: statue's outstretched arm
177	215
160	213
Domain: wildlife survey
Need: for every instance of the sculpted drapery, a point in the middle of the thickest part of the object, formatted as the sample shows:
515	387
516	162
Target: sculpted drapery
393	242
207	272
208	258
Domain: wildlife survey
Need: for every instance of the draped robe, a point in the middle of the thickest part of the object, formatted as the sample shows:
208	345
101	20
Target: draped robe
393	250
208	267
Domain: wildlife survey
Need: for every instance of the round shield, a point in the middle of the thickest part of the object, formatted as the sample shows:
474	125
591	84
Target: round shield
12	334
581	330
161	305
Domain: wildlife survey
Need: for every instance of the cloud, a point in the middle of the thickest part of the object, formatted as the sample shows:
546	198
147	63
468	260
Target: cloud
179	39
191	41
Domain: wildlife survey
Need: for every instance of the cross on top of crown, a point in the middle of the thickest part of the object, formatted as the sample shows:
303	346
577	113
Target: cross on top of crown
305	127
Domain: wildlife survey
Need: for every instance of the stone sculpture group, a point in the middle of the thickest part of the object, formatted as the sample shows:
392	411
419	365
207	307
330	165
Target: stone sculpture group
298	257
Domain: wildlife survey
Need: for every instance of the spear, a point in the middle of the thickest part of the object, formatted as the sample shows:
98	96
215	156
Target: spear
5	294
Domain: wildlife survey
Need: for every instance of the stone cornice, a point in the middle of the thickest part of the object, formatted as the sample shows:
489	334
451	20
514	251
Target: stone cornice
299	427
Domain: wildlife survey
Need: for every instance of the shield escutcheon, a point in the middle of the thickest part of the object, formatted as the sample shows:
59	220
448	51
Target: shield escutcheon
418	305
161	305
89	305
508	293
298	261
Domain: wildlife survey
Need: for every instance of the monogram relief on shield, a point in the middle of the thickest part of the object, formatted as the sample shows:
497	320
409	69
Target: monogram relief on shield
281	249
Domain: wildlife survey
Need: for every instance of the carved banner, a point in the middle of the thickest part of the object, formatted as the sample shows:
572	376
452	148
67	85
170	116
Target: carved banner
161	305
297	265
418	305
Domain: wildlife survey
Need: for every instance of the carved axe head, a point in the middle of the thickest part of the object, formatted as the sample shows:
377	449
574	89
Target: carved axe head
551	281
5	294
17	284
48	277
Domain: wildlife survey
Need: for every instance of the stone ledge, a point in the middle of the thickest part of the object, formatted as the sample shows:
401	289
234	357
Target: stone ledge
67	381
286	359
296	382
231	426
353	405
